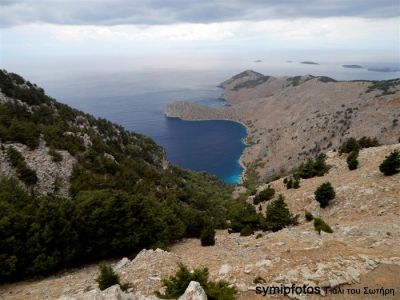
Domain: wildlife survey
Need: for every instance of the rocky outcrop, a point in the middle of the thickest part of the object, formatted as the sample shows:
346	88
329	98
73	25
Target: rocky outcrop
47	171
112	293
194	292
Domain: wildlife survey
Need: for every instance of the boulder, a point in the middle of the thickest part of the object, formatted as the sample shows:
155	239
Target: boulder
194	292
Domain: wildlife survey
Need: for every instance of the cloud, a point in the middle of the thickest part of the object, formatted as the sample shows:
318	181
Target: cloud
161	12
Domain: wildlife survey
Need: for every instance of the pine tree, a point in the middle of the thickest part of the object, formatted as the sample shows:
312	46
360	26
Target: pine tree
391	164
278	215
352	161
107	277
207	236
324	193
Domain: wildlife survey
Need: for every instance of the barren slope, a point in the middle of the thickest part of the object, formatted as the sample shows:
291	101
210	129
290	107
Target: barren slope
293	118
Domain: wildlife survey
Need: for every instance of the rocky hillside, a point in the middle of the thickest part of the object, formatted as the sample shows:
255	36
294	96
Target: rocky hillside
290	119
75	188
363	250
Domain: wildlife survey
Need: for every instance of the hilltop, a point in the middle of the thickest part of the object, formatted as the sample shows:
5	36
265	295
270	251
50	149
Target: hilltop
291	119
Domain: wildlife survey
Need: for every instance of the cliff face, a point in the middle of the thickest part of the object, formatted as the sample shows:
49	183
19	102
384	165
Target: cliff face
293	118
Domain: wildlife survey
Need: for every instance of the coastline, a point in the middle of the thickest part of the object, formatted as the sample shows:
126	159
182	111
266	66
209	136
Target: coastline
240	160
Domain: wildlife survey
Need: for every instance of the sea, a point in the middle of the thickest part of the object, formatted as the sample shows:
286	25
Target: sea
137	99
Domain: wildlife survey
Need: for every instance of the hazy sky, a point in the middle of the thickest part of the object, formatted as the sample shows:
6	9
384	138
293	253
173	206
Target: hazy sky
196	34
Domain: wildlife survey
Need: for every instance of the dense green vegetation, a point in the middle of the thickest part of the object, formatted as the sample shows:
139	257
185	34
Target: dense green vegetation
176	285
325	193
391	164
122	197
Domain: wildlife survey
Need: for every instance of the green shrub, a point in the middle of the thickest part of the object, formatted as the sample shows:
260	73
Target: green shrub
246	231
220	290
367	142
264	195
309	217
57	184
14	156
207	236
351	144
296	183
324	193
242	214
391	164
313	167
55	156
292	182
352	161
289	183
176	285
320	225
109	278
278	215
24	173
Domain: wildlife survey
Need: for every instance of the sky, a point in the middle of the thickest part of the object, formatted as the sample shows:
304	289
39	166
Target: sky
56	35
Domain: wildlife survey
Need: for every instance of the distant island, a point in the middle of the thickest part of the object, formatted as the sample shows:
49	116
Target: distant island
353	66
258	61
384	69
309	63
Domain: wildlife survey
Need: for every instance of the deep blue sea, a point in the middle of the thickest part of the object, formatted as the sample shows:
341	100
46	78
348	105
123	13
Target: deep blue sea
211	146
137	99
